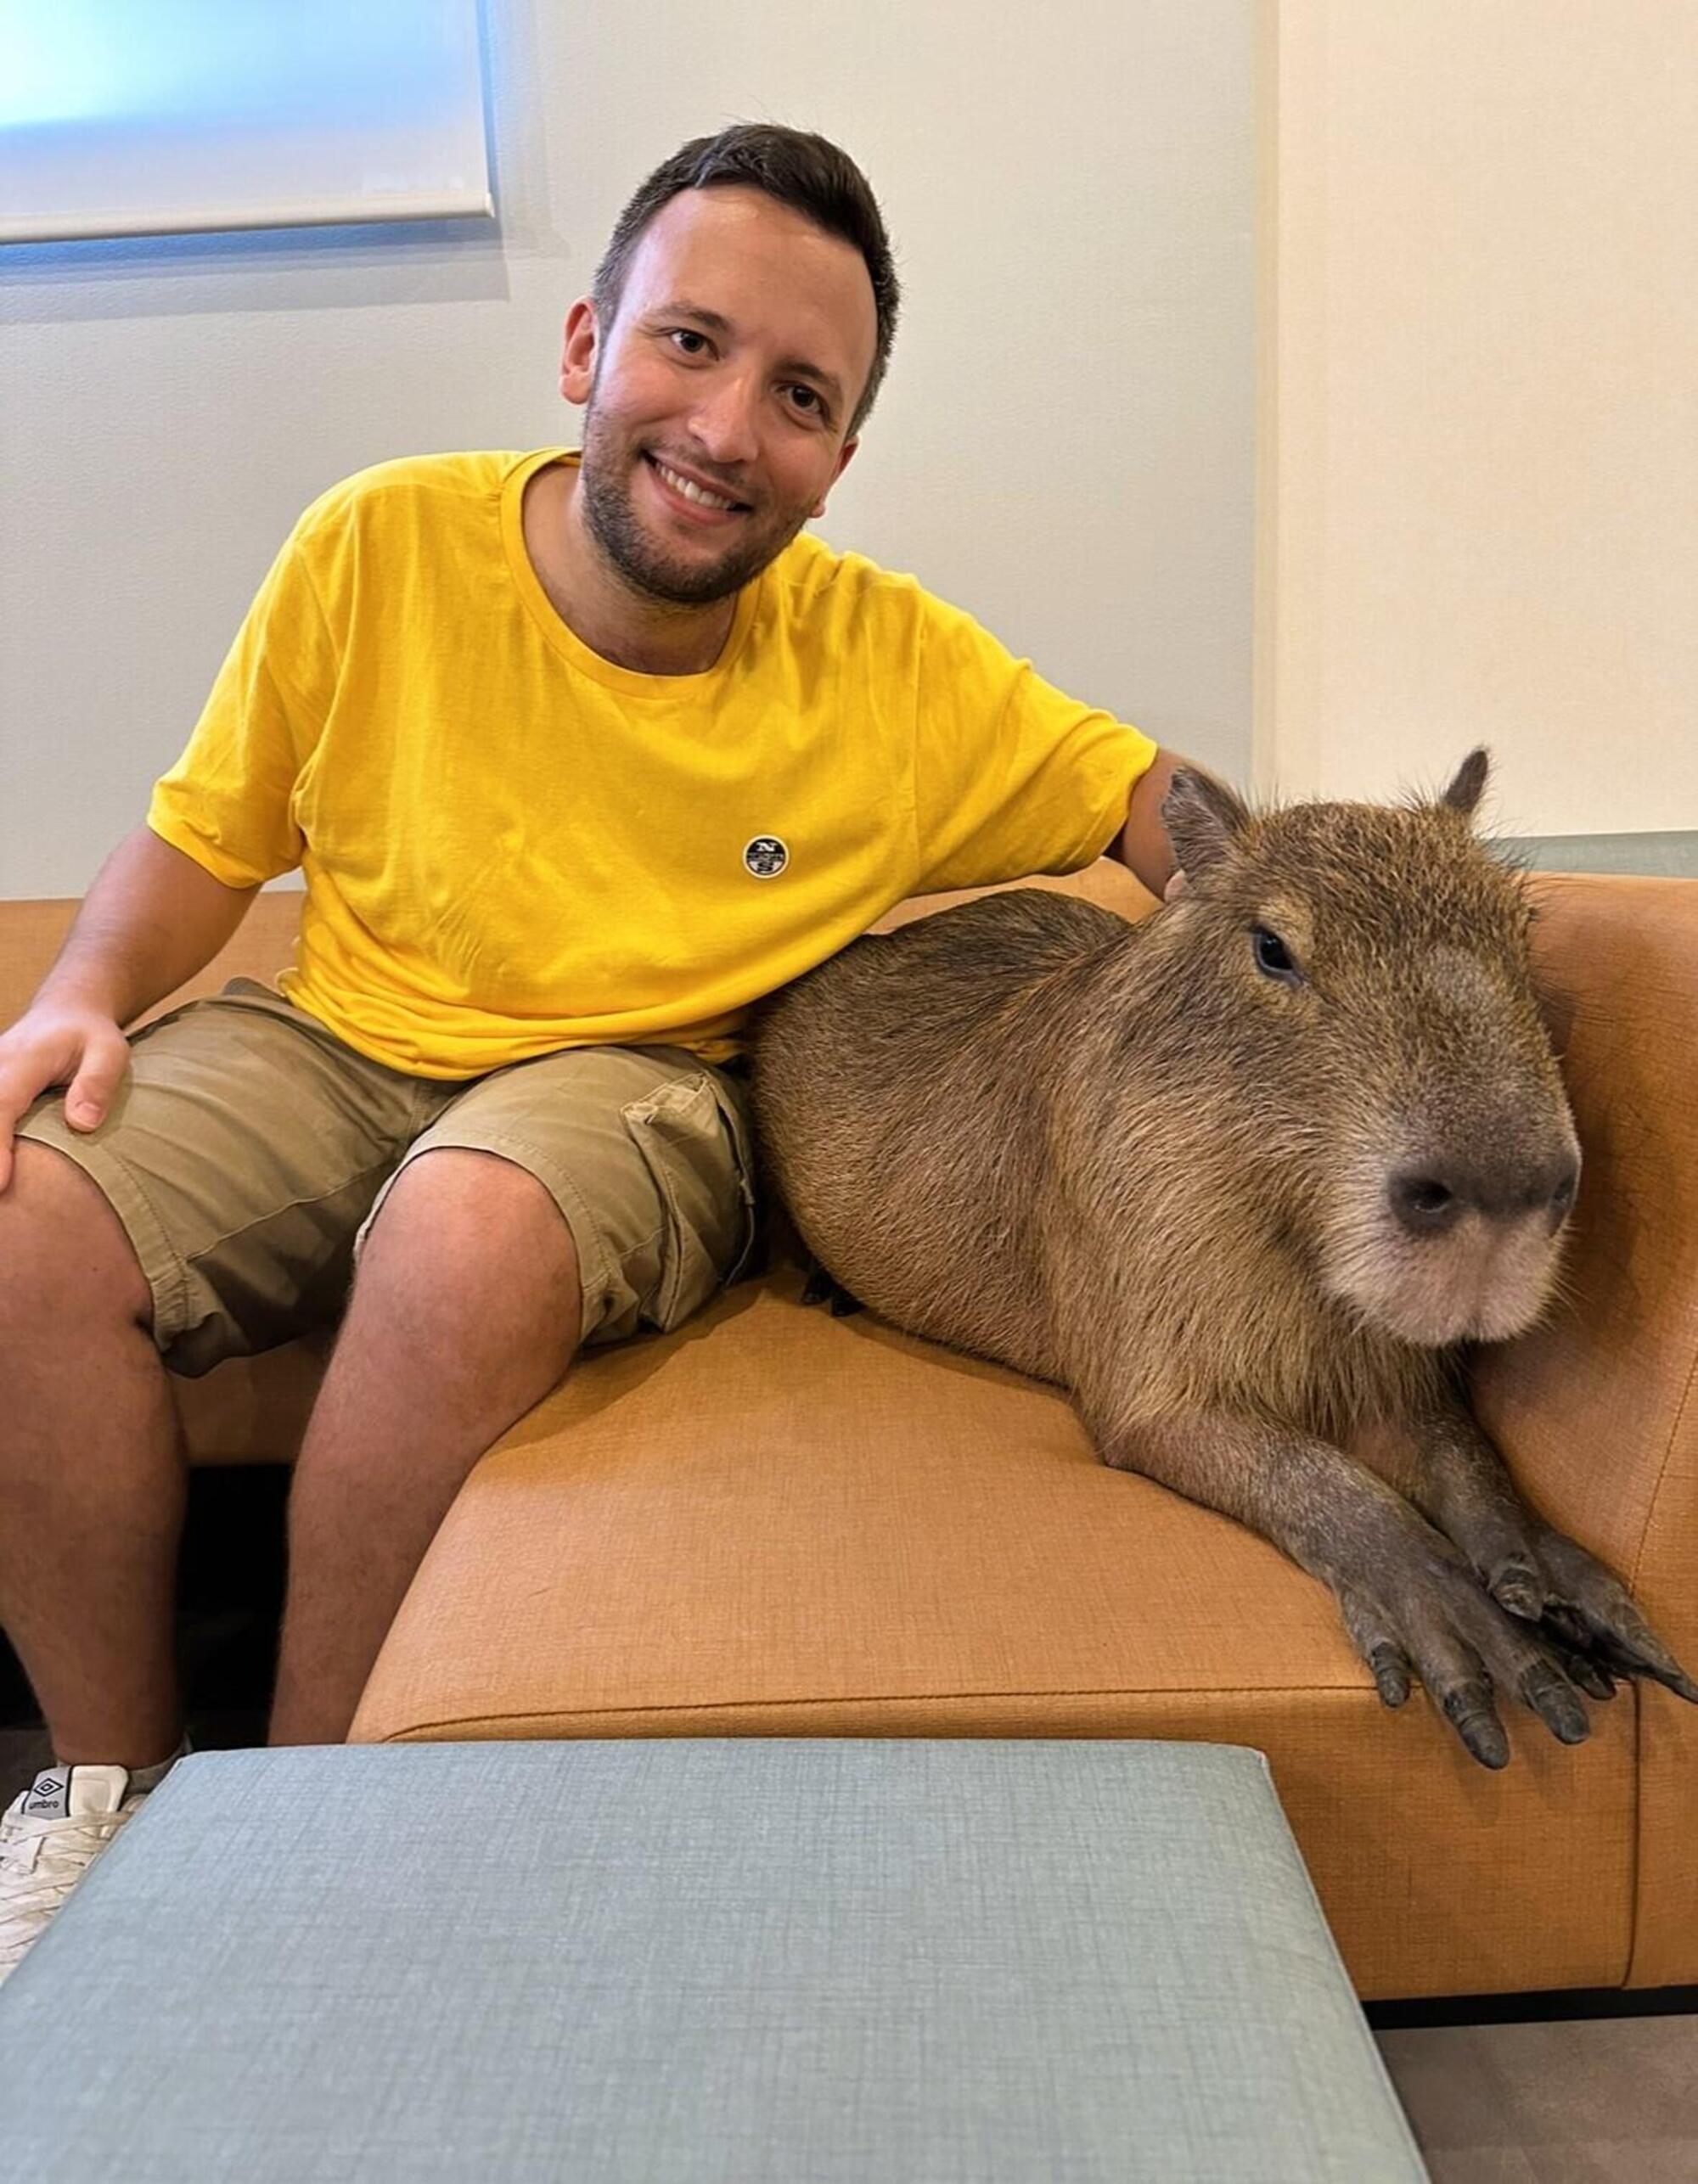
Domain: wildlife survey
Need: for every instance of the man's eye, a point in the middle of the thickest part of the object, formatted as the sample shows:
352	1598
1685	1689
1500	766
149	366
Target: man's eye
682	334
810	400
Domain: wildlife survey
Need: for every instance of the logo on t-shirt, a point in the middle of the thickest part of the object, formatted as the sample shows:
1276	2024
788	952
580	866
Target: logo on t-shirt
765	856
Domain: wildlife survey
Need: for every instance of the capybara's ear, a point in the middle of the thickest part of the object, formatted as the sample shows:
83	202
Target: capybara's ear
1203	816
1465	792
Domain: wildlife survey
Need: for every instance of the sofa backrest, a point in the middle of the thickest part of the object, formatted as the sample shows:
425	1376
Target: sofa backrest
32	932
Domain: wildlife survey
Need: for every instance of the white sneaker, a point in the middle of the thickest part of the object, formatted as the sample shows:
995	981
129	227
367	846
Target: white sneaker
50	1835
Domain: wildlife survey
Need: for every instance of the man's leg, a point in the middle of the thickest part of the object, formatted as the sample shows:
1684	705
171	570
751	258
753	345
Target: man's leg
213	1214
92	1481
466	1310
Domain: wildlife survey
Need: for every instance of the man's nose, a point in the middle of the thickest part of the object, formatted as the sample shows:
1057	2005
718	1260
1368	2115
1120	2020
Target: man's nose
725	419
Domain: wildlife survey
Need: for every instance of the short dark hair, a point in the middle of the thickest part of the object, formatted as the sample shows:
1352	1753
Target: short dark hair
807	173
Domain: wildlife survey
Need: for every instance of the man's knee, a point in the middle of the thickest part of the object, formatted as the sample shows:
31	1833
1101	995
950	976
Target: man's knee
64	1250
472	1239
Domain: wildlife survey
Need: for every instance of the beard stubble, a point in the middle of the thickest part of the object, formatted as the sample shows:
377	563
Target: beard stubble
604	480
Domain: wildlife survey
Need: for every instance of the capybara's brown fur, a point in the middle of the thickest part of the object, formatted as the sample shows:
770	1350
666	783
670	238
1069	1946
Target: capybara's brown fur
1243	1177
1134	1160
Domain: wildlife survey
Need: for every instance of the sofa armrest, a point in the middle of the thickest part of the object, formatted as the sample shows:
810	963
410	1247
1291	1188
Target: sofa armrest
1596	1410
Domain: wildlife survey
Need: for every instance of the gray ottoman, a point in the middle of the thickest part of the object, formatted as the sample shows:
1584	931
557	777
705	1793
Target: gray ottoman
745	1959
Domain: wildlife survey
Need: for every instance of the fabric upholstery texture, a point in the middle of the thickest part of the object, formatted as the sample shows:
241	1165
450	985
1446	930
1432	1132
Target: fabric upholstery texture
1598	1409
773	1523
741	1959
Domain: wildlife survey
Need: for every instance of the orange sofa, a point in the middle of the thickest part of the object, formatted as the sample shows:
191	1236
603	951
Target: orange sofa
773	1523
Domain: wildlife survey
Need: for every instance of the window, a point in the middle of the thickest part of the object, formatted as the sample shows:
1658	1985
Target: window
136	117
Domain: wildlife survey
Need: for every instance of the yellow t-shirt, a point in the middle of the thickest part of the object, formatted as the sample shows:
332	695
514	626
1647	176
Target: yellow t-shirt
511	845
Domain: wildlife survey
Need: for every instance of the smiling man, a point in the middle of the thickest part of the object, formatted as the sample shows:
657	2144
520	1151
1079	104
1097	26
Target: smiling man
688	489
580	754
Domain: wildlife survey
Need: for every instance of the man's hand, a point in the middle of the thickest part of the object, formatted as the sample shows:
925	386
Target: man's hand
59	1043
1142	844
152	919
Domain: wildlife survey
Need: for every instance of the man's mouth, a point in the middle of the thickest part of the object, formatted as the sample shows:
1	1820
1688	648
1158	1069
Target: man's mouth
702	496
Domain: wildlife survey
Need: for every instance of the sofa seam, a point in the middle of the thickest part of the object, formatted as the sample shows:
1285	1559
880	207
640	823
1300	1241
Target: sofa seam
1671	1442
915	1698
1637	1897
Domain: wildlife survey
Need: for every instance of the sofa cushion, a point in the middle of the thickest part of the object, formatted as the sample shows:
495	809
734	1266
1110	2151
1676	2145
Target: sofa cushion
775	1523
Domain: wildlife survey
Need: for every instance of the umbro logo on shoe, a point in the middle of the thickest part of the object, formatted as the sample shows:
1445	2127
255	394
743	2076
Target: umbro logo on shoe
47	1794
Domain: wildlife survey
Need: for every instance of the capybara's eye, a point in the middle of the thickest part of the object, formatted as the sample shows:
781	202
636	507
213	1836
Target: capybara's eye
1273	956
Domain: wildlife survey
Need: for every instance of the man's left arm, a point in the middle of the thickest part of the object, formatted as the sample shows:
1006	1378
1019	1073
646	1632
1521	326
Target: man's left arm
1141	844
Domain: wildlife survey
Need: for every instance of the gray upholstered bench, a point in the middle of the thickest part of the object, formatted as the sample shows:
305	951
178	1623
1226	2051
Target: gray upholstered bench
747	1959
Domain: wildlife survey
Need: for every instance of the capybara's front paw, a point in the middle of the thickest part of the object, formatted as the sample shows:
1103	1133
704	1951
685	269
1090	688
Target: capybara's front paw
1428	1618
1588	1610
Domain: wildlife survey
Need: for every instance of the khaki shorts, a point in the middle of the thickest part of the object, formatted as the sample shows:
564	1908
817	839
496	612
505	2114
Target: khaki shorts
249	1151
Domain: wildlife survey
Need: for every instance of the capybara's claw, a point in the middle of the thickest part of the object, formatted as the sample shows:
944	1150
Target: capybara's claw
1552	1697
1568	1641
1590	1600
1517	1588
1468	1706
1662	1667
1390	1669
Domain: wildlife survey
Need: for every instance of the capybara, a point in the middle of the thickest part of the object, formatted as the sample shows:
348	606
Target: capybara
1248	1178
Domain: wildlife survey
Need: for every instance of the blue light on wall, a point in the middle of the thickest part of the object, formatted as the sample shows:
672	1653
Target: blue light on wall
127	117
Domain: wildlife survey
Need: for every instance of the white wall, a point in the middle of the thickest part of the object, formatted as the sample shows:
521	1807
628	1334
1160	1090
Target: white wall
1064	445
1479	432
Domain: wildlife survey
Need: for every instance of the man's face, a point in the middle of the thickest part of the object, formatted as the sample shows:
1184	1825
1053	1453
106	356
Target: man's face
741	345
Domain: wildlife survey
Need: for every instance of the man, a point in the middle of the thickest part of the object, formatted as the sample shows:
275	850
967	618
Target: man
579	755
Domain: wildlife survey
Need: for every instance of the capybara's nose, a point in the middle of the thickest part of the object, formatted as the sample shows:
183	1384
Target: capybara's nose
1433	1197
1565	1181
1425	1204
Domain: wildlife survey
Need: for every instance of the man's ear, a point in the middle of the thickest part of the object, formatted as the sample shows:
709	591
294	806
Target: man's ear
577	352
847	450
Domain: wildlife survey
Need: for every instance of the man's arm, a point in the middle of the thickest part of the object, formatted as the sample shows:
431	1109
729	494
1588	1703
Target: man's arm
153	917
1142	844
151	920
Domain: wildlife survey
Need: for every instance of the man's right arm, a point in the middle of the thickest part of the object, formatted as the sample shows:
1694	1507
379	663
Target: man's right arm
152	919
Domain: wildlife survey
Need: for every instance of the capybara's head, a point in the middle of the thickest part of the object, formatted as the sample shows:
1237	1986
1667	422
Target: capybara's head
1359	976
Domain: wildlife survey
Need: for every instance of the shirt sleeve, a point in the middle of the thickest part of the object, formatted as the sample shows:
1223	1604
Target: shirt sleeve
1011	775
228	801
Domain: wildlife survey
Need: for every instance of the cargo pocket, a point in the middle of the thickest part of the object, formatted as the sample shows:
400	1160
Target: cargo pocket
693	1141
